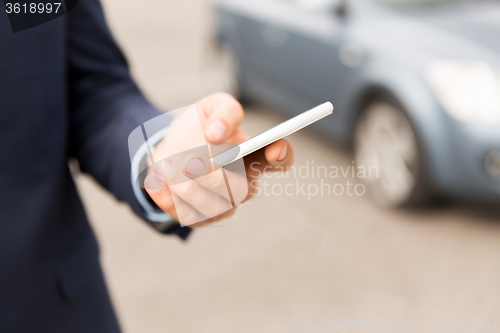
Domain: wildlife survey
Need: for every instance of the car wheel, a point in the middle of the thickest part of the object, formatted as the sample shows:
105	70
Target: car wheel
224	70
388	156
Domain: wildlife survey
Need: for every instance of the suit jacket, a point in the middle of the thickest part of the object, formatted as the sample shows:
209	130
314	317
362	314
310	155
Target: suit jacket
65	91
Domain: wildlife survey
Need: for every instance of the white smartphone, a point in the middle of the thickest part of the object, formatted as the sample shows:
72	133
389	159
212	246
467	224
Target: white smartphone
274	134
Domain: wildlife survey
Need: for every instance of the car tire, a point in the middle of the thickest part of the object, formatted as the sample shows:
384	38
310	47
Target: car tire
387	149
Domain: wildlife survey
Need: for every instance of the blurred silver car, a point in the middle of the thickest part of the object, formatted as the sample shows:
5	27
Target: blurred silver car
415	84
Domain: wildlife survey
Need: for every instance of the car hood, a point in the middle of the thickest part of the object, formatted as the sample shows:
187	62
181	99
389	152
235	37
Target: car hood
478	21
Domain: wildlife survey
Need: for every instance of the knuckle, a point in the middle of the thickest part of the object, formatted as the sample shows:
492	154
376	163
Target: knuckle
217	180
219	207
185	189
238	110
231	102
224	96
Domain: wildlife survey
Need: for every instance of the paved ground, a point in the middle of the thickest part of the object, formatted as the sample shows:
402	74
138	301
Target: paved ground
281	257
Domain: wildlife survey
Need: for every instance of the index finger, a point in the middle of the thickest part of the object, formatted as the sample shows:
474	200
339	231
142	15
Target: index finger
222	114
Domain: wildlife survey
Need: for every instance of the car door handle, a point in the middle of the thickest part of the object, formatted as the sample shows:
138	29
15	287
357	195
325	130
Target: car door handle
274	36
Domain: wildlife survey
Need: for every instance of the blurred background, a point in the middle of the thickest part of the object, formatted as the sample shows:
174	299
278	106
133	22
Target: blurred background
416	94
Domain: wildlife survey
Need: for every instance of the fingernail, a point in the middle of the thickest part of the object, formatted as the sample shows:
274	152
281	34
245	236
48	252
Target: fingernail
196	168
165	169
216	131
283	153
154	184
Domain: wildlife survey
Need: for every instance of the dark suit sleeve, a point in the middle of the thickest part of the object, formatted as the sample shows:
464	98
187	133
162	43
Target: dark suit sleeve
105	104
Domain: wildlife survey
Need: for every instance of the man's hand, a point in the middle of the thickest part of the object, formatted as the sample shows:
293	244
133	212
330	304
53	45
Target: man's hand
221	116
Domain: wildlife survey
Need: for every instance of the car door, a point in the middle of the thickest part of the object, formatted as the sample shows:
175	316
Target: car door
295	47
